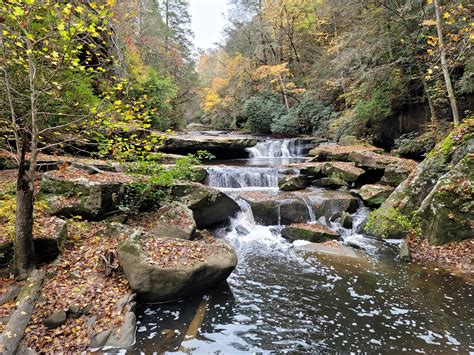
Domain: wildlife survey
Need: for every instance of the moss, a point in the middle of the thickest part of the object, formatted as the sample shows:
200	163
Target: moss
391	223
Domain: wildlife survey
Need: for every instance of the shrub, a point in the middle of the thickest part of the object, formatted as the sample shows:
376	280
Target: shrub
261	112
314	114
149	193
286	125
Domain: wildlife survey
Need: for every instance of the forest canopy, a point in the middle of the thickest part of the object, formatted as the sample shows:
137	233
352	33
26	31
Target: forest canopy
359	62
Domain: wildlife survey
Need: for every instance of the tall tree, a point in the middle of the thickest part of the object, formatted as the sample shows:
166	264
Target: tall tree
444	64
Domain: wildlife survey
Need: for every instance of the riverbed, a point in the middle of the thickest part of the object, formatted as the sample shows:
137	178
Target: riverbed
287	297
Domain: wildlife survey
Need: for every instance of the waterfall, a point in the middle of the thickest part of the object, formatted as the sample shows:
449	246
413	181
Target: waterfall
278	148
243	178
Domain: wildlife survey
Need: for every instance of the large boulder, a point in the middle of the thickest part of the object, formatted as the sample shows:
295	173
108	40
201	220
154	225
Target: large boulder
342	170
174	220
220	146
160	269
447	213
437	193
293	183
395	174
315	233
375	194
74	192
280	210
210	206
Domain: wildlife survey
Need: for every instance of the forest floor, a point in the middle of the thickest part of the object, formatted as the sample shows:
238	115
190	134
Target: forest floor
456	257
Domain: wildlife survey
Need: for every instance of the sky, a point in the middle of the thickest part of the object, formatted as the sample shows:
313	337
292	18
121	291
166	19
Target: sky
208	21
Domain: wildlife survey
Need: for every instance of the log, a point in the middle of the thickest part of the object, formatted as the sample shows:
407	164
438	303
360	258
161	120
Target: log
15	328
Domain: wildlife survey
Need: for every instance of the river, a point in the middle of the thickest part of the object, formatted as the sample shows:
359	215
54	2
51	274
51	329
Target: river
284	297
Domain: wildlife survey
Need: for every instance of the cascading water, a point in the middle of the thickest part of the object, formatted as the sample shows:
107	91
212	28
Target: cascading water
278	148
231	178
280	299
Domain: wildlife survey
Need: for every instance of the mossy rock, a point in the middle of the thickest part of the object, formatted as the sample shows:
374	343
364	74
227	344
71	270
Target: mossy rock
448	211
315	233
434	194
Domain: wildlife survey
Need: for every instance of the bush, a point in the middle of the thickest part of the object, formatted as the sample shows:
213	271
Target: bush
314	114
149	193
261	112
376	108
286	125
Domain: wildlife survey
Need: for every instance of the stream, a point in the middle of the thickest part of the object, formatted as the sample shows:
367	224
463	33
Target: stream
284	297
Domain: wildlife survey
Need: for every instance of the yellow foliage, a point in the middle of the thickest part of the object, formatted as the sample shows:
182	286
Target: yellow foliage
212	99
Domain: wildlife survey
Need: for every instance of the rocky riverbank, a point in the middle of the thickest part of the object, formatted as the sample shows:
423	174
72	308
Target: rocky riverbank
86	301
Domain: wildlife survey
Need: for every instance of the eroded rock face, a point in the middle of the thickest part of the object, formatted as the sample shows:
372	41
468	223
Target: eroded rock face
293	183
438	192
193	267
447	213
210	206
76	193
315	233
220	146
375	194
300	207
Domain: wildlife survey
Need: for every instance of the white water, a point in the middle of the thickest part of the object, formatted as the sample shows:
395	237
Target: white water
278	148
248	178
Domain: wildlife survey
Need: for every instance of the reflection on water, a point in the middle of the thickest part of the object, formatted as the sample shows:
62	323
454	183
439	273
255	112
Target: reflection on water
284	301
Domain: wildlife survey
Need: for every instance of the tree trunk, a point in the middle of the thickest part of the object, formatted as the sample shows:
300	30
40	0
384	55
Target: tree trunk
444	65
24	250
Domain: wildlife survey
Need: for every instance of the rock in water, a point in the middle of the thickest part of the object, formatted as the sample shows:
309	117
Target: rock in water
175	221
161	269
293	183
405	253
315	233
210	206
346	220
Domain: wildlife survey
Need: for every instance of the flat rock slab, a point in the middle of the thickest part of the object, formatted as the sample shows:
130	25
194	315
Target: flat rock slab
375	161
327	152
315	233
220	146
